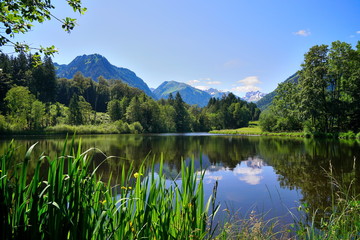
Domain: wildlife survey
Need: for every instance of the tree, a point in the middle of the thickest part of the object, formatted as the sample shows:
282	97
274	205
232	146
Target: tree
86	110
55	114
167	116
114	110
43	81
19	102
18	16
64	91
75	115
133	113
150	116
182	117
339	72
37	114
241	115
354	83
285	107
81	83
5	85
102	94
313	86
268	121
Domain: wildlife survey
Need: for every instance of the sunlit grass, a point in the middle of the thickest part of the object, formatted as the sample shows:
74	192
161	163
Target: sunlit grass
254	129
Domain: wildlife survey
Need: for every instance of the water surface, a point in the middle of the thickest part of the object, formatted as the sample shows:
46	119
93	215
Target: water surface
268	175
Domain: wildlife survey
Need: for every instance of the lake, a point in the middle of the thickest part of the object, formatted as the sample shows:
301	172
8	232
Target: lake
268	175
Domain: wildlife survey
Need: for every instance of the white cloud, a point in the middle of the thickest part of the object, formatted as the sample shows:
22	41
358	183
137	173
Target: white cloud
199	80
213	82
303	33
246	89
203	88
251	179
216	178
192	82
247	170
250	175
252	80
358	32
248	84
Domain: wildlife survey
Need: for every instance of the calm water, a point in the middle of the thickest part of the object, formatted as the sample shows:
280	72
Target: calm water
265	174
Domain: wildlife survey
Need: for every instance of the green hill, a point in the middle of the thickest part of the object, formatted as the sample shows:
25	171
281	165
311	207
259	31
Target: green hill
95	65
265	102
189	94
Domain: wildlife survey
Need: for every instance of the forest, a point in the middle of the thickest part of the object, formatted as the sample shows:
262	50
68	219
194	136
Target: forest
325	99
33	99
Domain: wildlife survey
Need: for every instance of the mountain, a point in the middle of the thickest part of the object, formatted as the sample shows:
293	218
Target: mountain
95	65
189	94
253	96
216	93
265	102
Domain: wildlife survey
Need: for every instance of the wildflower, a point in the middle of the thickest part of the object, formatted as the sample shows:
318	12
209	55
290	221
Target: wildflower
132	228
136	175
0	170
129	188
103	202
123	187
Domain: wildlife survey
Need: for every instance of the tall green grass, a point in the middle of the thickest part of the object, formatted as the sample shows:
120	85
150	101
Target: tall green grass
71	201
341	220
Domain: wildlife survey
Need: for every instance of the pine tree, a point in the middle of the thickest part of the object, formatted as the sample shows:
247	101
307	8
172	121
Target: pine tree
75	115
182	117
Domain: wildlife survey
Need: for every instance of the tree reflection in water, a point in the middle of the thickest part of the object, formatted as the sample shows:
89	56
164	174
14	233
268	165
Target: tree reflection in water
245	167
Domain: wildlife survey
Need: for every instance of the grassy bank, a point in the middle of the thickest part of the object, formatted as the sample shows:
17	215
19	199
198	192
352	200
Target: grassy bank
254	129
117	127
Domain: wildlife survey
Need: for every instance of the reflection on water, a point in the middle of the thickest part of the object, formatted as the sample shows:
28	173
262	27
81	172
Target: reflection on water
250	171
266	173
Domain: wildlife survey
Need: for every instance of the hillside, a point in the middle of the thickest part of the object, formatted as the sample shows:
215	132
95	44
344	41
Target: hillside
265	102
95	65
216	93
189	94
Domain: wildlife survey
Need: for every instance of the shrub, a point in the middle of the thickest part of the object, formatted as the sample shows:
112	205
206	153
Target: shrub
125	128
136	128
3	124
347	135
358	135
267	121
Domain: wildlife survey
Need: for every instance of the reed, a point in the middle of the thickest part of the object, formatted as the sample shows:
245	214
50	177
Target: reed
71	201
342	220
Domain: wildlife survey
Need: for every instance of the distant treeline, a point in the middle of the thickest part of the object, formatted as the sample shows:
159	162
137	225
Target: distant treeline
33	98
326	98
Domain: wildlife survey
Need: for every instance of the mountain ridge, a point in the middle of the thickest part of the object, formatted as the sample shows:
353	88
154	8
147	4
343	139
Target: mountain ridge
96	65
265	102
189	94
216	93
254	96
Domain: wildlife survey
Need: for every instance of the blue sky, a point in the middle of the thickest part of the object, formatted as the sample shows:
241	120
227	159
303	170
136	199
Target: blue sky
236	45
